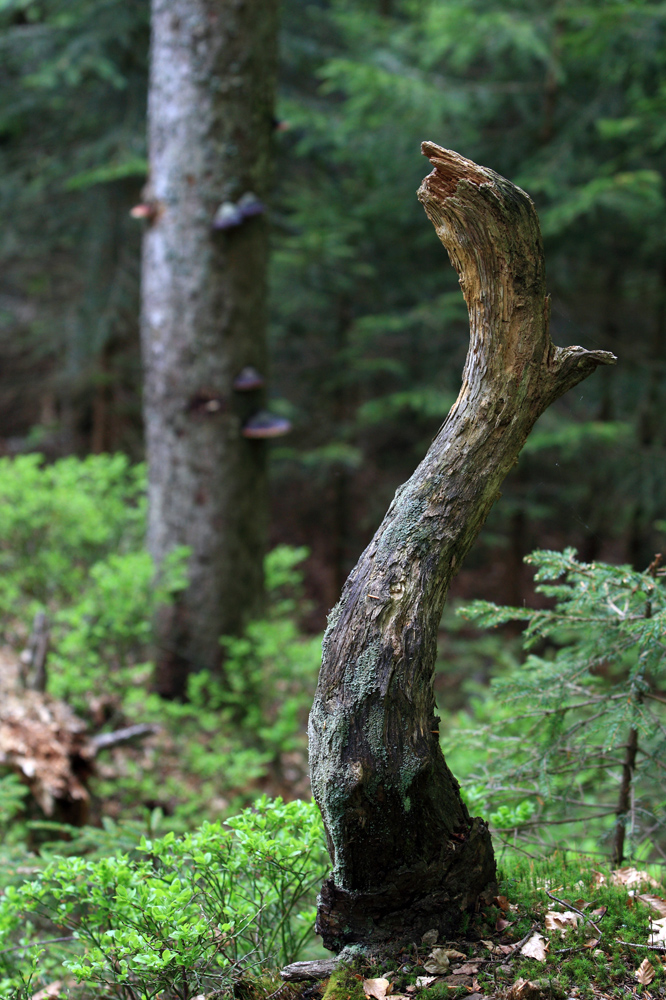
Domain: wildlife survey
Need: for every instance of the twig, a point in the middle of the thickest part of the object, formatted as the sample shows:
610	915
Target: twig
650	947
570	906
36	944
519	944
104	741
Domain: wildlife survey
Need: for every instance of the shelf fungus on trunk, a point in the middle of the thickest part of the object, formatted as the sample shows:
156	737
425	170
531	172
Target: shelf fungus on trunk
407	856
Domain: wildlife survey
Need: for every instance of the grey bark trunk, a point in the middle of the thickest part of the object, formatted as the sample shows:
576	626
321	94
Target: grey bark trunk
407	856
212	81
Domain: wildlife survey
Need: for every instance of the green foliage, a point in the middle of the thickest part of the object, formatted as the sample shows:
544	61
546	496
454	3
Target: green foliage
12	796
556	749
181	914
71	543
57	520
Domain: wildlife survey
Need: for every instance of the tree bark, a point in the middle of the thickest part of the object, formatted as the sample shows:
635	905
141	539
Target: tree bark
407	856
212	81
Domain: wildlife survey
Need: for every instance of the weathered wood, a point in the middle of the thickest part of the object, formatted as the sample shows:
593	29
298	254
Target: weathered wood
407	857
298	972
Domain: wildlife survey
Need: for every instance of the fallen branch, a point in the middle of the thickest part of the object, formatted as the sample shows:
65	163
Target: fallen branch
105	741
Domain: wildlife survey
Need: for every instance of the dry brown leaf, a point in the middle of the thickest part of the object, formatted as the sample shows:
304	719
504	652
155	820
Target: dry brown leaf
523	989
535	948
502	902
467	969
422	981
430	938
632	878
658	932
438	962
591	943
452	982
645	972
506	949
656	903
561	921
600	911
410	989
52	990
501	924
452	954
376	988
598	878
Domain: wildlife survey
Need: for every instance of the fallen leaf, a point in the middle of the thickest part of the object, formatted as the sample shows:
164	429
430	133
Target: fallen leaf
430	937
580	904
645	972
656	903
502	902
523	989
561	921
452	954
490	945
52	990
591	943
422	981
658	932
506	949
601	911
501	924
535	948
410	989
376	988
598	878
452	982
631	877
438	962
467	969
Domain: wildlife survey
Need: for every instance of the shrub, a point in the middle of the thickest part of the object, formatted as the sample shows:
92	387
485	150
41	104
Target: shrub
181	915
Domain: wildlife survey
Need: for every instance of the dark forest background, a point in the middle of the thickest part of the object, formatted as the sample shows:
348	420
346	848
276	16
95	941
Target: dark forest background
368	328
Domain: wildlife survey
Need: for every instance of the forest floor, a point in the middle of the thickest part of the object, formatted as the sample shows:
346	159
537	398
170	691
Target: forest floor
559	929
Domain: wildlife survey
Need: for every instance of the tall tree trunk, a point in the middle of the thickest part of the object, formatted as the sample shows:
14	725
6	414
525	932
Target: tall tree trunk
212	80
407	857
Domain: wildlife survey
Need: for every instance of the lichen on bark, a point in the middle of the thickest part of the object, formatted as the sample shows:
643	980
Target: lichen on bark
407	855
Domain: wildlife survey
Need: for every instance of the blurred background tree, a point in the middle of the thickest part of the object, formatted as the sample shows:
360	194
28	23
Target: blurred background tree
367	343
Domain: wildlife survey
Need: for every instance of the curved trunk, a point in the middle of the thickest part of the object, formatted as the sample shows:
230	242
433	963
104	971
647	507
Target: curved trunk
407	857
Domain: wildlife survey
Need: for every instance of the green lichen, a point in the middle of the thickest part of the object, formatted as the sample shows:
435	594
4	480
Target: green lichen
411	766
328	735
375	734
363	680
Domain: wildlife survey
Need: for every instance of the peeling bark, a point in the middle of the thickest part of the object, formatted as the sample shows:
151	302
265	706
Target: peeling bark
407	856
212	83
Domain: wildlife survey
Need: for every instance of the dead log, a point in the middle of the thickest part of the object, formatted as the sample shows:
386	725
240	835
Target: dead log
407	856
46	744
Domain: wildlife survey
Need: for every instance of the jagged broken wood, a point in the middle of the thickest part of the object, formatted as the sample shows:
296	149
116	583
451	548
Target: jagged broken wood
407	856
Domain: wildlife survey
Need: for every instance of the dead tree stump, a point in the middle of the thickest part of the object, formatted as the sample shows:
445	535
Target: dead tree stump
407	856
